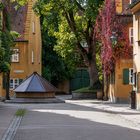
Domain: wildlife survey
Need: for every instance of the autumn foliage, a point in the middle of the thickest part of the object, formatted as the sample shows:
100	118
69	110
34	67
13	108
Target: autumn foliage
110	23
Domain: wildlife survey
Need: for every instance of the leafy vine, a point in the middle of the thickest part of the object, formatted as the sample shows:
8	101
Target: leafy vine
108	24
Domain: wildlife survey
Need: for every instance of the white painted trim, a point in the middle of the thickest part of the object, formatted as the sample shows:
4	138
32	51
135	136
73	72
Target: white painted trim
32	56
131	35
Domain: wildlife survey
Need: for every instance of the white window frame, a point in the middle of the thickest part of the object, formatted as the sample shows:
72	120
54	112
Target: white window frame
131	76
15	55
131	35
14	82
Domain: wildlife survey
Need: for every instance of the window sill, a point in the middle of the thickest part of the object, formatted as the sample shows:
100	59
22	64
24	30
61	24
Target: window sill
14	61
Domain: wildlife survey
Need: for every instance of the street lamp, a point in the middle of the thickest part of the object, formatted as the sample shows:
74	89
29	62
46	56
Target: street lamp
113	38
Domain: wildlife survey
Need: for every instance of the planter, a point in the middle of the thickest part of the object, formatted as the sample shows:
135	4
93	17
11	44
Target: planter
99	95
84	95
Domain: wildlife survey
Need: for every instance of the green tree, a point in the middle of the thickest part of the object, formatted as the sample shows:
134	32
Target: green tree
76	20
54	67
7	38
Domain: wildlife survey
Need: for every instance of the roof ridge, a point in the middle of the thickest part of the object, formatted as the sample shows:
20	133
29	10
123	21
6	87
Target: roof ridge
39	79
30	81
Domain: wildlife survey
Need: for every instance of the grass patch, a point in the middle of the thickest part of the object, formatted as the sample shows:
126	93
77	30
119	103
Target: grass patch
85	90
20	112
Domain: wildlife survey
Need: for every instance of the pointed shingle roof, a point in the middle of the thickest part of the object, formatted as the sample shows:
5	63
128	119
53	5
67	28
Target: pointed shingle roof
35	83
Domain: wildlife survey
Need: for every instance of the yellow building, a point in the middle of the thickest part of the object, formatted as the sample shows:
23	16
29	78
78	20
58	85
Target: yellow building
26	57
121	81
135	7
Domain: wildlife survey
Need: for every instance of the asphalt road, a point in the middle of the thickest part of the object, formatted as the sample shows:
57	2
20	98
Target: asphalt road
68	121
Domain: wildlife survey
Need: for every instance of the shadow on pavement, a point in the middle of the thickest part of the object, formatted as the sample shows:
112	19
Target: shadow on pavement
47	125
75	107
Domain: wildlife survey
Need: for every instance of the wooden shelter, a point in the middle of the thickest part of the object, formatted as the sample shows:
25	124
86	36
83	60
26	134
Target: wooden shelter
35	86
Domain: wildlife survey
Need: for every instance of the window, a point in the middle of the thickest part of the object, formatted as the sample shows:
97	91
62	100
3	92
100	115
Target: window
15	55
33	27
32	57
131	76
119	6
128	76
138	29
131	35
138	82
15	82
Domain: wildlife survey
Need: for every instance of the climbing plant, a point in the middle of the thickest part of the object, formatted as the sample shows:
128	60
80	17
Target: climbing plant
110	26
7	38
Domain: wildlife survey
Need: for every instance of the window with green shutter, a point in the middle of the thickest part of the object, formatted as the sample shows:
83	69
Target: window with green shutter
125	76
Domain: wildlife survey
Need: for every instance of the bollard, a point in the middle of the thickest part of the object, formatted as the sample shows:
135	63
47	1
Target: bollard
133	99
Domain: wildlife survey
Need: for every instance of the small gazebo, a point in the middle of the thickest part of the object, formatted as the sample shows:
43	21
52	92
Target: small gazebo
35	86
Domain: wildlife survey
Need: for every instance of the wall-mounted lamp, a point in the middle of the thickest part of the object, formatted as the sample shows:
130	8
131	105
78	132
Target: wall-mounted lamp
113	39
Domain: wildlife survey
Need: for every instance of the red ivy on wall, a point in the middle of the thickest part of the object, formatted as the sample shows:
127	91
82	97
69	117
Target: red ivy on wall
108	24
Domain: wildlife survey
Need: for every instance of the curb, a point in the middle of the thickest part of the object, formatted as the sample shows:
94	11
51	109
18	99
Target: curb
12	129
34	101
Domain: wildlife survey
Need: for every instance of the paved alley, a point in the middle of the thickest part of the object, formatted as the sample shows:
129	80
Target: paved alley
72	121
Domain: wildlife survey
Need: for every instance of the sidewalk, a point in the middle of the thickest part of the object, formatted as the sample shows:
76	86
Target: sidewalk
6	117
123	110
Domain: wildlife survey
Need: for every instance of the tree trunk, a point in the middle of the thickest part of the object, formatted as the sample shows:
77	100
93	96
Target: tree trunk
7	85
106	87
93	73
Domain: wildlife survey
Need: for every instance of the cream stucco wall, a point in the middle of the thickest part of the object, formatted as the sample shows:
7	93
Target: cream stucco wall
136	49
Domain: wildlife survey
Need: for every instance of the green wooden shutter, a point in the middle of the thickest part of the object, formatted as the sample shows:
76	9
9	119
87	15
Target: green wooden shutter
125	76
